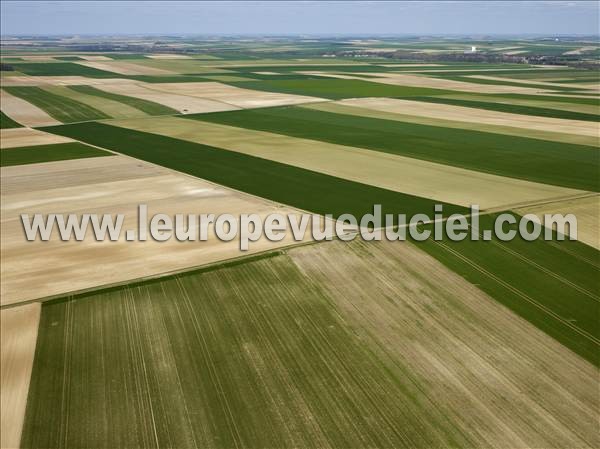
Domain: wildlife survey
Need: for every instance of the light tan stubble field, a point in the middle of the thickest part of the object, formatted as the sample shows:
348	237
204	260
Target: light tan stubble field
110	185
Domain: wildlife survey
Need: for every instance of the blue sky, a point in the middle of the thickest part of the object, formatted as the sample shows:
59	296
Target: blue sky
314	18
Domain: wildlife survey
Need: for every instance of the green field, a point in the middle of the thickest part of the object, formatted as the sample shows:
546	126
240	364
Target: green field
337	89
7	122
252	355
61	69
146	106
109	107
513	108
61	108
548	162
552	284
342	345
48	153
282	183
469	79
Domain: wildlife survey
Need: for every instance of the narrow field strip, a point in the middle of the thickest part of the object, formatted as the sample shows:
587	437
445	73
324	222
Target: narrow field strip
392	172
147	107
558	277
338	107
61	108
113	109
303	189
60	69
232	95
520	81
458	84
25	137
554	103
557	98
169	98
541	102
567	165
24	112
18	80
339	88
328	345
514	109
19	328
124	68
474	77
48	153
438	109
184	66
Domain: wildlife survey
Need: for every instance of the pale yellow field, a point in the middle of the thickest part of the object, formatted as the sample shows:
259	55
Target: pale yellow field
585	108
95	58
339	108
109	185
586	209
500	380
36	58
25	80
581	50
24	112
401	174
236	96
19	329
124	68
24	137
183	66
530	81
111	108
412	80
172	98
475	115
411	65
169	56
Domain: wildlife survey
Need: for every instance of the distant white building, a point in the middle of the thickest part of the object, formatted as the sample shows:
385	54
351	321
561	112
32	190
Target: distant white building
473	49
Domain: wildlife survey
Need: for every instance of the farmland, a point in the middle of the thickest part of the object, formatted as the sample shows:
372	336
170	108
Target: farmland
504	155
294	359
392	172
59	107
145	106
552	284
113	184
7	122
48	153
22	137
299	343
19	335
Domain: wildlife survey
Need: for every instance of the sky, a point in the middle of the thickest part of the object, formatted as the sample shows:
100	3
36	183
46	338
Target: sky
300	17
